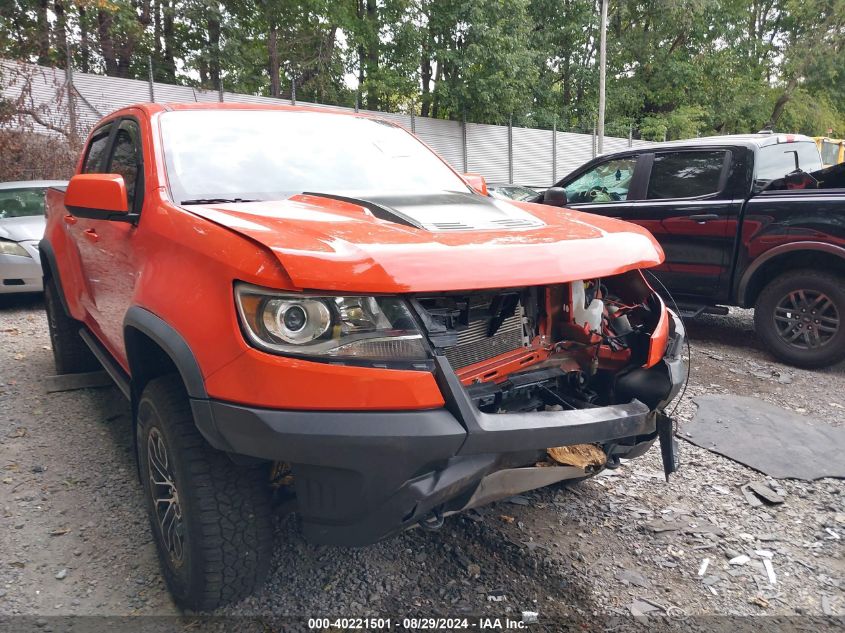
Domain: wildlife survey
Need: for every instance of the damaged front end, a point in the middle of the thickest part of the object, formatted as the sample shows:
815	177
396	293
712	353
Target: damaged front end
588	364
540	384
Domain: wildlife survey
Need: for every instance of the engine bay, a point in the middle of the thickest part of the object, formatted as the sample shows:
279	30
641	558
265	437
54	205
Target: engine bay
567	346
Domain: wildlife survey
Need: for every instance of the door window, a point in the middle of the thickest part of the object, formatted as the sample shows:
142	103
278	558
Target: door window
685	174
775	161
126	158
96	149
607	182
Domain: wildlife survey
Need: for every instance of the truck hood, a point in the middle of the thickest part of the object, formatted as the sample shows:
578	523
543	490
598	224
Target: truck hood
436	242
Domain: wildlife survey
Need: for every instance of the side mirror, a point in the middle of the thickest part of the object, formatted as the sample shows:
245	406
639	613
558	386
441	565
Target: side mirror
98	196
555	196
477	182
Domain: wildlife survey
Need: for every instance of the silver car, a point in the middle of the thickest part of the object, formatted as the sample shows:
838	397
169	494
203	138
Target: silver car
21	228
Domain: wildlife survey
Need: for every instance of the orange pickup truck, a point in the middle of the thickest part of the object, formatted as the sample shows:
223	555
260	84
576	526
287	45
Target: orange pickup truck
313	306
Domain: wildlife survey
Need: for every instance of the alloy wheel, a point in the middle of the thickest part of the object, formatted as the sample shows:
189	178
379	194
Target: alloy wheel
806	319
165	497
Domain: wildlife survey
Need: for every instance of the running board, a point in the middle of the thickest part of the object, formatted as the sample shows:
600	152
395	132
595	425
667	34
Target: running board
115	371
689	311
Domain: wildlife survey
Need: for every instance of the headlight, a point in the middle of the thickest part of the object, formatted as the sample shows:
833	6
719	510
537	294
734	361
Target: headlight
7	247
327	327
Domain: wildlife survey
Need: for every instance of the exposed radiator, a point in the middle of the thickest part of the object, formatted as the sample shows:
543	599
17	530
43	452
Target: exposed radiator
475	346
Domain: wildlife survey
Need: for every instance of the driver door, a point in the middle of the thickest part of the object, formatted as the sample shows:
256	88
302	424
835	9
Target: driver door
606	188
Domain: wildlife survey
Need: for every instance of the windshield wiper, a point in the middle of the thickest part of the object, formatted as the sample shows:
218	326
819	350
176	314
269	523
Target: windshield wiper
216	200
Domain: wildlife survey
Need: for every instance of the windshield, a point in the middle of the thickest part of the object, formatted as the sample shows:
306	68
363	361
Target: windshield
18	203
270	155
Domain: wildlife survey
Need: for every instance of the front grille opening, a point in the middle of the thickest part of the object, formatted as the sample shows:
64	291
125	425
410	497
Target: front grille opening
478	327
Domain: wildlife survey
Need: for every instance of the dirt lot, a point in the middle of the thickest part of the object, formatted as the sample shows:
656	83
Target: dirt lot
74	538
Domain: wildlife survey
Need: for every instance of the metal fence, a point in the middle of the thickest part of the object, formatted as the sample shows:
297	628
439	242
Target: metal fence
76	101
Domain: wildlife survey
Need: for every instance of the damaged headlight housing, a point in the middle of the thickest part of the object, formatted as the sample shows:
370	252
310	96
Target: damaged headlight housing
376	329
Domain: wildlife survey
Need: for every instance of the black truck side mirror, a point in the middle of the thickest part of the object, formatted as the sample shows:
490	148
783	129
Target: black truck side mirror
555	196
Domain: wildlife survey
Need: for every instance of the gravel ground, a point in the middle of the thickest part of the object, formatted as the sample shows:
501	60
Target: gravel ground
74	537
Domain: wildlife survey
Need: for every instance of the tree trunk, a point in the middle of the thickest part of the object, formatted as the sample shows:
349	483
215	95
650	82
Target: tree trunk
273	65
425	75
61	34
157	31
104	22
169	44
780	104
84	44
214	48
43	27
435	102
373	100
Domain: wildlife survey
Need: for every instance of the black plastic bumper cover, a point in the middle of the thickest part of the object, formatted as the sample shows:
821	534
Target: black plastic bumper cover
363	475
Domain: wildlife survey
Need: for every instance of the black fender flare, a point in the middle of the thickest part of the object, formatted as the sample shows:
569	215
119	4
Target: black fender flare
175	346
51	271
169	340
783	249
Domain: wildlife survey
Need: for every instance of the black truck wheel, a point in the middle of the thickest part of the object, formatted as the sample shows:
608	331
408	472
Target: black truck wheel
211	520
800	316
70	352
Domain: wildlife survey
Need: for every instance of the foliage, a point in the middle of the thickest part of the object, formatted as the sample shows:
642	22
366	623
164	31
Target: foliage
676	68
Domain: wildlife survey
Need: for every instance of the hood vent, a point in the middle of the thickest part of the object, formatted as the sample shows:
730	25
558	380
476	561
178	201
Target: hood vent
451	226
458	211
444	212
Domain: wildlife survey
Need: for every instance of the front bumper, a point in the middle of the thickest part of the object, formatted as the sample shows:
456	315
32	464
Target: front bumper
19	273
362	476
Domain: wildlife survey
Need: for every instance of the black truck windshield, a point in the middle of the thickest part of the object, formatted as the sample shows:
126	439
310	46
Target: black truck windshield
270	155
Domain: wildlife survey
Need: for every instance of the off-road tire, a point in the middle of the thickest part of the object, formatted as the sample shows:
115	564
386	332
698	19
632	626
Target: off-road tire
225	510
814	283
70	352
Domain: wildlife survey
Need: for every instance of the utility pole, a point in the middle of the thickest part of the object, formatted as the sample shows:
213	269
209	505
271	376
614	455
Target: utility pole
152	83
602	72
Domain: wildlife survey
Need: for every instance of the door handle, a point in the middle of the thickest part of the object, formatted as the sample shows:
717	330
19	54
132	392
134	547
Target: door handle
704	217
70	219
91	234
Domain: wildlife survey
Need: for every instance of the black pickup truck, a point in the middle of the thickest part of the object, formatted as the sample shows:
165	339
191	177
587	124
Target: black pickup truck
744	220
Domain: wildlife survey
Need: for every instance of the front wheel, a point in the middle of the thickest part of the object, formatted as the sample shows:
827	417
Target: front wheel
211	520
799	316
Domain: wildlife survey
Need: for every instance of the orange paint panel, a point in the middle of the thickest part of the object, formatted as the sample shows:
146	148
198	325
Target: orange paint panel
97	191
330	245
659	338
264	380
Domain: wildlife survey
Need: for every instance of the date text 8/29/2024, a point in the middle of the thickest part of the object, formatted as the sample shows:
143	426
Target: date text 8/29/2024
415	623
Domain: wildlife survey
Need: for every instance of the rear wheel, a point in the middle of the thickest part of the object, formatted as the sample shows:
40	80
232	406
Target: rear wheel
800	316
211	520
70	352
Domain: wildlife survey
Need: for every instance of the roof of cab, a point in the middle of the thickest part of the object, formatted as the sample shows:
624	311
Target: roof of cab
152	108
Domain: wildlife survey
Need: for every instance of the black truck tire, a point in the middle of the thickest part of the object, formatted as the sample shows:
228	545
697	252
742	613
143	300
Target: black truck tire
70	352
211	519
800	317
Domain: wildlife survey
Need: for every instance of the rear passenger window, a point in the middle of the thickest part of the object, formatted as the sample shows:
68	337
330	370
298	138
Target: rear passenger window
685	174
96	148
126	157
775	161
